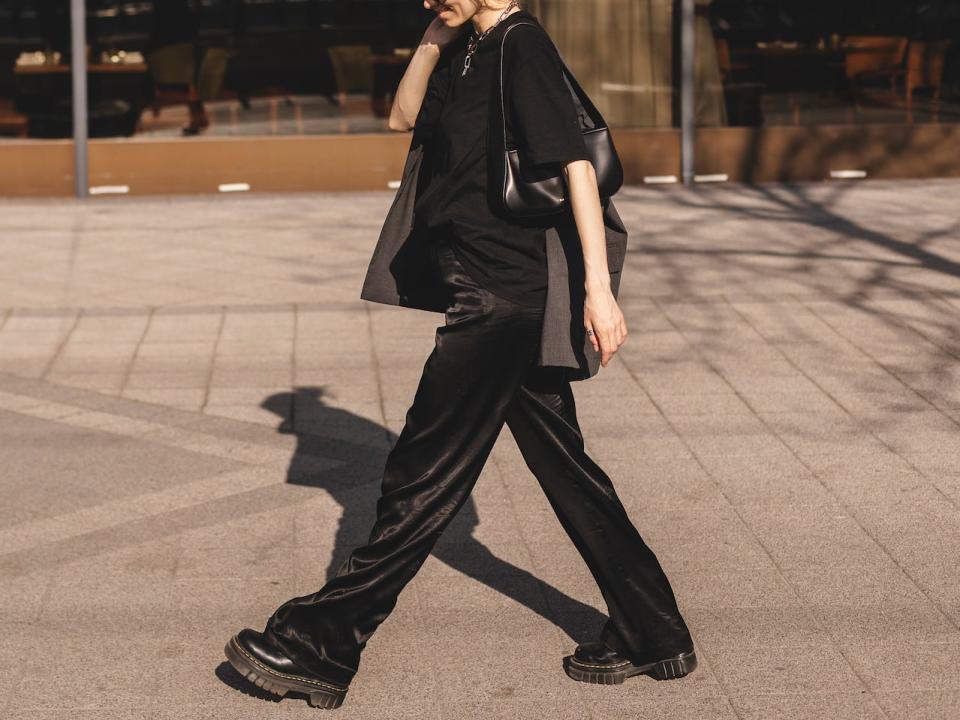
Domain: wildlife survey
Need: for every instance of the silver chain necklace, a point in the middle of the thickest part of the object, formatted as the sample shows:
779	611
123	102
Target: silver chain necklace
475	38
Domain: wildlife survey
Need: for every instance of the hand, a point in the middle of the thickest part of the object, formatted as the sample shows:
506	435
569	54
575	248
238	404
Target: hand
437	33
603	316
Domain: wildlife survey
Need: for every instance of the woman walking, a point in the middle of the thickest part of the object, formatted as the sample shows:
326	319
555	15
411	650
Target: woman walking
529	306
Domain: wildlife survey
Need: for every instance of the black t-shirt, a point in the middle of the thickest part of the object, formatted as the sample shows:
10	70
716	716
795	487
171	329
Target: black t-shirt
504	255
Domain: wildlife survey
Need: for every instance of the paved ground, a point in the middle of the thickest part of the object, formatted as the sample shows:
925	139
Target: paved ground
195	407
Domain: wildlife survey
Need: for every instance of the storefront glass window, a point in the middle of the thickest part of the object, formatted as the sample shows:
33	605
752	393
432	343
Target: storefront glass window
311	67
822	62
623	52
247	67
34	69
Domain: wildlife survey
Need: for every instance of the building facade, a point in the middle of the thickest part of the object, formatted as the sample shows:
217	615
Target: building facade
285	95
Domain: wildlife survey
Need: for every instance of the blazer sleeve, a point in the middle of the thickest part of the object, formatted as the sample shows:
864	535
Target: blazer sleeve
543	119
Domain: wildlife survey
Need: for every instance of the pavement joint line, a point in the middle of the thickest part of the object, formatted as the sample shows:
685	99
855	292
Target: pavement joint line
254	308
108	422
950	299
61	346
211	368
291	411
176	436
15	402
227	449
181	437
377	369
865	687
738	355
220	486
186	436
251	308
136	352
197	417
892	319
541	584
851	511
896	377
531	558
48	411
637	380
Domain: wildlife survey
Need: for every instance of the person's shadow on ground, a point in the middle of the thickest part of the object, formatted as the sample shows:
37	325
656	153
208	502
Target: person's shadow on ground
359	448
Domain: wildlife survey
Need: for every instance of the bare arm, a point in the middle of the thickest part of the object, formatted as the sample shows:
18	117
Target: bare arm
412	88
413	84
601	314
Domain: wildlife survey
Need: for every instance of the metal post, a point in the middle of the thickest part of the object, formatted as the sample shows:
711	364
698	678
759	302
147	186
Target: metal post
78	71
688	55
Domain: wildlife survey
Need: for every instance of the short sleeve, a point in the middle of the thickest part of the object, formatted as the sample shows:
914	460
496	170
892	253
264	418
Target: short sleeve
543	116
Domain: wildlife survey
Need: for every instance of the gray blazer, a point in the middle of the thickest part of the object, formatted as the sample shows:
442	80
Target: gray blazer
398	274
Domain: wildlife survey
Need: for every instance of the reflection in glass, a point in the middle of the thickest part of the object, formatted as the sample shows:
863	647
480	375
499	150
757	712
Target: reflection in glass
284	67
256	67
710	107
820	62
622	52
291	67
34	69
220	67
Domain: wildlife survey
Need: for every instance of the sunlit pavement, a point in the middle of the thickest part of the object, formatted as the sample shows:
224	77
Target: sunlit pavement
195	407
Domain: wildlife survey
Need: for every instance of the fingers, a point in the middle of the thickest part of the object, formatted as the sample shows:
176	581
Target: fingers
608	345
591	333
606	327
608	340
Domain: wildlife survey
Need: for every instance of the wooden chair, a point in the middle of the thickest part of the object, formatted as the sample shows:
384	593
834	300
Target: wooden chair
352	69
12	123
172	68
874	58
925	63
743	97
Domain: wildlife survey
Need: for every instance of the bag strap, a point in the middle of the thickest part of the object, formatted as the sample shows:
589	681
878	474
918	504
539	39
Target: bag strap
582	97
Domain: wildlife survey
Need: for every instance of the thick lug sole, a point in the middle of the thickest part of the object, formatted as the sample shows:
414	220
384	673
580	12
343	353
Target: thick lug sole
319	694
614	674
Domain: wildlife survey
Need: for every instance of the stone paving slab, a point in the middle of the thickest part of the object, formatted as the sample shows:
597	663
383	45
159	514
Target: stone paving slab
195	407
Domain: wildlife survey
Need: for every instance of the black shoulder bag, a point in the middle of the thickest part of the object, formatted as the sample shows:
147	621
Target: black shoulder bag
524	196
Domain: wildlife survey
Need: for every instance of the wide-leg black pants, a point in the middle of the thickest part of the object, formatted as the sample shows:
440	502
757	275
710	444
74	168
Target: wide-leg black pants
482	373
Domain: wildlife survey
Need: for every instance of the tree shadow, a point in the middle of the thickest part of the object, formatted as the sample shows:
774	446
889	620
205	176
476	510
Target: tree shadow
880	261
325	433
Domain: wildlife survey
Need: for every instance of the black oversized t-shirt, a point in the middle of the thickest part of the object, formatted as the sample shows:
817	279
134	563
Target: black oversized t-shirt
504	255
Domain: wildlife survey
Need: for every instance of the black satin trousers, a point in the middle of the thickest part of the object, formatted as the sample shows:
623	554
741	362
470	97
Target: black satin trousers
482	372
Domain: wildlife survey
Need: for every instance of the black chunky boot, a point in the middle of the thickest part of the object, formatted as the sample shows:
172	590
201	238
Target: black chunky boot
595	662
264	664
